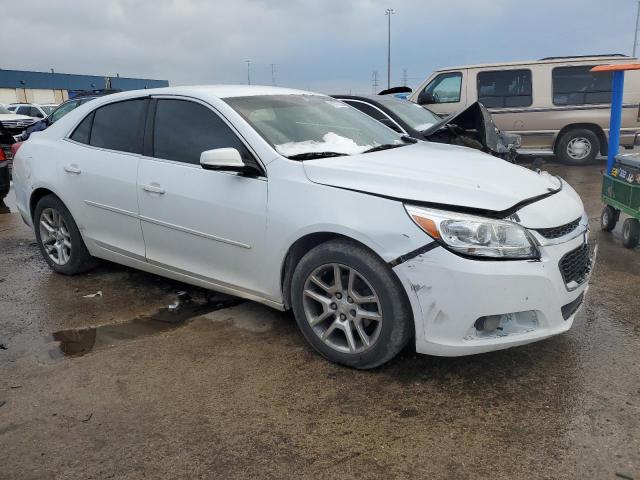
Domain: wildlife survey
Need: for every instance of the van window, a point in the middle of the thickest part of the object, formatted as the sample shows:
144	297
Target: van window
505	88
184	129
445	88
579	86
118	126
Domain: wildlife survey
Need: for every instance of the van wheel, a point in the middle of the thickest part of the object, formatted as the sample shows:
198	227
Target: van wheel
630	233
578	147
59	239
350	306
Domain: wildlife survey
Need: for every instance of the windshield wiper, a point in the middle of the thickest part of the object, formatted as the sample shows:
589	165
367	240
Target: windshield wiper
385	146
312	155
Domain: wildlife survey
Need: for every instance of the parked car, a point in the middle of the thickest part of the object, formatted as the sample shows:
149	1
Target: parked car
36	112
298	201
55	115
473	127
14	123
556	104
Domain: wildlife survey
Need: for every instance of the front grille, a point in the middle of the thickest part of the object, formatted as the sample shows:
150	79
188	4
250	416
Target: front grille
572	307
561	231
575	265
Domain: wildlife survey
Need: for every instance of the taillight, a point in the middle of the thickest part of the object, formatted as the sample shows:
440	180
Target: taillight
3	157
15	147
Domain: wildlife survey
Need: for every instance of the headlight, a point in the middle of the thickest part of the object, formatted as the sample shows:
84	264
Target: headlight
475	236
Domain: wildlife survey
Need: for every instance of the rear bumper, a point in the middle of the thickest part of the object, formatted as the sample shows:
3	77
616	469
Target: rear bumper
449	293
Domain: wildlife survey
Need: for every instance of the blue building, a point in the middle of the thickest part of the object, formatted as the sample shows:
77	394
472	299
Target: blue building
47	87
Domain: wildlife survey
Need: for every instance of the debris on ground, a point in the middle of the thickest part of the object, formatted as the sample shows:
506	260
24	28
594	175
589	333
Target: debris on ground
3	346
182	298
93	295
2	403
87	418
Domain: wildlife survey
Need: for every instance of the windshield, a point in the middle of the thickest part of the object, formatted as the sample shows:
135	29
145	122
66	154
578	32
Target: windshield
48	108
412	114
4	110
296	125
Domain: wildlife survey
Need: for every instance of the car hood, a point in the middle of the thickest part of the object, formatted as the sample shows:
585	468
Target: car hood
476	118
443	175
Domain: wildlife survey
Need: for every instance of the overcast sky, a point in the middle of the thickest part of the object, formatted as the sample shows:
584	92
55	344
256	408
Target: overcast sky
326	45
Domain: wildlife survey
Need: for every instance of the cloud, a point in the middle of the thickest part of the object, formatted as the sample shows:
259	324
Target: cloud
327	45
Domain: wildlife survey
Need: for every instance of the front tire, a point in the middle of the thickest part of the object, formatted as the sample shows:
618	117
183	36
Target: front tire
350	306
59	239
609	218
630	233
579	146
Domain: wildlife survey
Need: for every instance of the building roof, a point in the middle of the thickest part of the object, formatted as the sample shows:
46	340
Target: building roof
69	81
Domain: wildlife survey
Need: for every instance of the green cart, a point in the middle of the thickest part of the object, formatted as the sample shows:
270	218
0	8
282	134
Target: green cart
621	182
621	196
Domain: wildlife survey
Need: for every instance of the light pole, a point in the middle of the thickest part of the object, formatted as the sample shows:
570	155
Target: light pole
388	13
635	35
248	72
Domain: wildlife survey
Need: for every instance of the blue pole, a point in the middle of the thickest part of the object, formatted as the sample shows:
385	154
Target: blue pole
616	118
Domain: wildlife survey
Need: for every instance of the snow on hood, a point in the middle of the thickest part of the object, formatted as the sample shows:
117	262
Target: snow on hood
331	142
447	175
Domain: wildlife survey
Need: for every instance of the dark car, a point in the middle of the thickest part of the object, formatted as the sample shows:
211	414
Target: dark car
472	127
62	110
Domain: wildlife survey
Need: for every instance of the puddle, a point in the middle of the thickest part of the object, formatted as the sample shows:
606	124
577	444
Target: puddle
78	342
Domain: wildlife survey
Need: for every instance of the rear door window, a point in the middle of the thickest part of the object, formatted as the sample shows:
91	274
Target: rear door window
579	86
368	109
184	129
119	126
505	88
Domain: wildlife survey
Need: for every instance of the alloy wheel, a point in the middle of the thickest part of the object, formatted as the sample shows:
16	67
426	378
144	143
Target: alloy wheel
342	308
579	148
55	236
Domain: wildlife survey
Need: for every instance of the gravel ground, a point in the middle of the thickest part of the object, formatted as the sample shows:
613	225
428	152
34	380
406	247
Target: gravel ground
101	387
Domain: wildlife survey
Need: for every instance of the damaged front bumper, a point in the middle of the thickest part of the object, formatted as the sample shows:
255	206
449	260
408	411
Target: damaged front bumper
454	299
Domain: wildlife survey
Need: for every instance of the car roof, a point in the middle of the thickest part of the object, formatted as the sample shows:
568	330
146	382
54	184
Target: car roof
218	91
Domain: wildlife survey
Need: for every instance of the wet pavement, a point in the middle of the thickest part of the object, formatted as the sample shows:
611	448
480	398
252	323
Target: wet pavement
141	381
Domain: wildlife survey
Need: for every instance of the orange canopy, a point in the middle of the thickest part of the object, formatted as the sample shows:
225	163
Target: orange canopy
618	67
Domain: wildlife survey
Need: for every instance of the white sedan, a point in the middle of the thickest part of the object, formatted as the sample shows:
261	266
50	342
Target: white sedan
299	201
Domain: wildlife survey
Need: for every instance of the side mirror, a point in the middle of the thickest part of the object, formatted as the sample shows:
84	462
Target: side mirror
425	98
222	159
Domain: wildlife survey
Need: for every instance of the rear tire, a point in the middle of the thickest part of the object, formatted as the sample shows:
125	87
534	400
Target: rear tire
609	218
59	239
365	318
579	146
630	233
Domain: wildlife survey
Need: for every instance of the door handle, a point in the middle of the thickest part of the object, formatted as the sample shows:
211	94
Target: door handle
72	169
153	189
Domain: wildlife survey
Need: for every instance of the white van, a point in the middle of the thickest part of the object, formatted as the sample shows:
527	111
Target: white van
555	104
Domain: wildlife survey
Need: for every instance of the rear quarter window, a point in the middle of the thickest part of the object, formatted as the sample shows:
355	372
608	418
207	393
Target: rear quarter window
118	126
